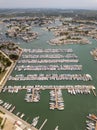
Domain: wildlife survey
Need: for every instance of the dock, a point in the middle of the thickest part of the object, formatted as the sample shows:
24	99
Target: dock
56	98
43	124
32	94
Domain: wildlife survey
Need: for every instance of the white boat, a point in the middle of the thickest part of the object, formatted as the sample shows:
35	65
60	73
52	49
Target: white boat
22	115
56	128
1	101
35	121
4	104
9	106
17	113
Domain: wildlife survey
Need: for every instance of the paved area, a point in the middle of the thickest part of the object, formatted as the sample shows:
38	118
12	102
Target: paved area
11	118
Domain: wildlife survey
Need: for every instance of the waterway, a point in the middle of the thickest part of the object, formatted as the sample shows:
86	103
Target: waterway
77	107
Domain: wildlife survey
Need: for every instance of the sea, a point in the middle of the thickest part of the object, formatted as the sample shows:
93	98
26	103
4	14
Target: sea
76	107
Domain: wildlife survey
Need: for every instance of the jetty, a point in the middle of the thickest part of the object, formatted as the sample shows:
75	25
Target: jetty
43	124
43	77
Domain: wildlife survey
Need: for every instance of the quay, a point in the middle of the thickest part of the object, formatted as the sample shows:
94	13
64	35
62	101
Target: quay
14	118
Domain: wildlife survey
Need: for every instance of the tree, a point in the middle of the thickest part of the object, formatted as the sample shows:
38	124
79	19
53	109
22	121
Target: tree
13	56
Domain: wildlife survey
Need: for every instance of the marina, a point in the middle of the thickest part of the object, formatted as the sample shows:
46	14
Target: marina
18	118
56	98
65	71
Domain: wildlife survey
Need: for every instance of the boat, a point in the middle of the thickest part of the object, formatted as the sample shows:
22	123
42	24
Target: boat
4	104
12	109
9	106
56	128
1	101
22	115
93	116
17	113
35	121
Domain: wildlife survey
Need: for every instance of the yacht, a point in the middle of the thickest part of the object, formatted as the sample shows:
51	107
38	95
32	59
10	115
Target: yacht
56	128
35	121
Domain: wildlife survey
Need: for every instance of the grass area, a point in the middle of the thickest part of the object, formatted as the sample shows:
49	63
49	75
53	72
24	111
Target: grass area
2	75
1	120
2	112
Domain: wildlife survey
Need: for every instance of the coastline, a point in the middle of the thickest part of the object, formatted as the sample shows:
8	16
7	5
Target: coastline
9	71
13	118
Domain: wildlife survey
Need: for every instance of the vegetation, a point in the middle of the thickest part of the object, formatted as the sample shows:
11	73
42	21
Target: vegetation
4	63
13	56
1	120
2	112
2	126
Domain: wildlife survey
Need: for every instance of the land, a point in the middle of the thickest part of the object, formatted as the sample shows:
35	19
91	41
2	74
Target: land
76	27
9	54
12	122
21	29
73	31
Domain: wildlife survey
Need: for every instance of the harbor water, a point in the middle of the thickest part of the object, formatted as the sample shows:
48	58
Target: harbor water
76	107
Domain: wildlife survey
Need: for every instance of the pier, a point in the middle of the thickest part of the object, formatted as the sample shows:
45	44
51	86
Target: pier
42	124
56	99
32	94
48	67
43	77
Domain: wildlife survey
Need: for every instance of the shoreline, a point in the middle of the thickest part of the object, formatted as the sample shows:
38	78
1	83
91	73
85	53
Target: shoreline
12	117
9	71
